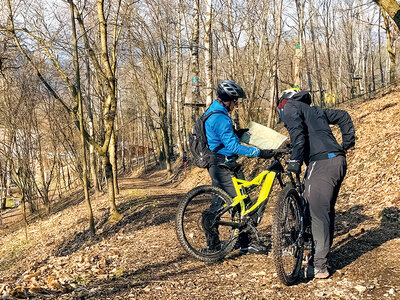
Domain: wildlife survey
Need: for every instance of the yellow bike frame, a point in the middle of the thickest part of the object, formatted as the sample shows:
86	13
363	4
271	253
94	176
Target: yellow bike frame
265	178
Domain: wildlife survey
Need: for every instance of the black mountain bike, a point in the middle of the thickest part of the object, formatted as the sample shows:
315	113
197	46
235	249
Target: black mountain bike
235	216
291	231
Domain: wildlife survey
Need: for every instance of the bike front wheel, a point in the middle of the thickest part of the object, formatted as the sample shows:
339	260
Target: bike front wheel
287	240
192	223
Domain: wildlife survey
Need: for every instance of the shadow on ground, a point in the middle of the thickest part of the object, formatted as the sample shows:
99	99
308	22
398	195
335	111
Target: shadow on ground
137	214
352	247
139	279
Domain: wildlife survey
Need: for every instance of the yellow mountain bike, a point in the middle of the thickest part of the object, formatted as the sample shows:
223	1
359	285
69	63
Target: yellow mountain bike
235	216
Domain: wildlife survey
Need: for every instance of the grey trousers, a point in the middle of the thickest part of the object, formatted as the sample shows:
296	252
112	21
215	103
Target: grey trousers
322	182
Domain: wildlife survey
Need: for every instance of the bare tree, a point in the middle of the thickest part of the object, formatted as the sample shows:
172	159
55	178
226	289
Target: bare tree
389	46
79	101
392	8
107	72
274	73
208	57
154	48
194	47
180	122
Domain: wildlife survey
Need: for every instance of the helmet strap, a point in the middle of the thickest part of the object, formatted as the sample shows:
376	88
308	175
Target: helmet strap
224	104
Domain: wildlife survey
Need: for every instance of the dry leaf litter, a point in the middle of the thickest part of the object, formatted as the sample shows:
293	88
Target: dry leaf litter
140	258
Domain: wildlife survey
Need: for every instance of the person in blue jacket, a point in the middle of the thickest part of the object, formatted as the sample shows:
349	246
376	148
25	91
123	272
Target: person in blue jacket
223	140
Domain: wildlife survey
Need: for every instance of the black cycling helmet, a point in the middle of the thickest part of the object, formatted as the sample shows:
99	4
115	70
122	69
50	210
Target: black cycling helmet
228	90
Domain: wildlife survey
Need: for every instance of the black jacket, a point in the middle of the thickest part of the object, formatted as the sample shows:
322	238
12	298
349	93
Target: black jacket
311	137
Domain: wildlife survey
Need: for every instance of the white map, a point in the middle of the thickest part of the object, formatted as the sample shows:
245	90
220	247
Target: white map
262	137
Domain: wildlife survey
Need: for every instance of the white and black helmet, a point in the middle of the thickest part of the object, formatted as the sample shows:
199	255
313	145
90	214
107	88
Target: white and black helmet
294	94
229	90
288	94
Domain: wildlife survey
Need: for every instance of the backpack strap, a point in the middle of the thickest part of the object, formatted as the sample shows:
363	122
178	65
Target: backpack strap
220	146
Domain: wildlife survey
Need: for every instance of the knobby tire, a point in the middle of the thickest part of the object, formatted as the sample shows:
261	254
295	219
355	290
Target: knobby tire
188	228
286	244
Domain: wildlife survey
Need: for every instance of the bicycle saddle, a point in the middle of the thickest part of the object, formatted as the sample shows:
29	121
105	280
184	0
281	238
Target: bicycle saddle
230	165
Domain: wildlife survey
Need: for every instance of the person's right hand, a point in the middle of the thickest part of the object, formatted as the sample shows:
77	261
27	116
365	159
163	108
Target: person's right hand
266	153
294	166
240	132
350	150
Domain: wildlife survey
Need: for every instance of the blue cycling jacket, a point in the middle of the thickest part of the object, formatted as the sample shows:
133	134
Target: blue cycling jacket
219	130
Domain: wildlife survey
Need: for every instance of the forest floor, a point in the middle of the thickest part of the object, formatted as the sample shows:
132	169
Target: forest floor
140	258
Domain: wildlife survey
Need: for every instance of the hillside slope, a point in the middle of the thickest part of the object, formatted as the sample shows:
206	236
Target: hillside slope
140	258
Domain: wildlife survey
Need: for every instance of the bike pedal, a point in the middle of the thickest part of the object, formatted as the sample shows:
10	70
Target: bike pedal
264	239
308	246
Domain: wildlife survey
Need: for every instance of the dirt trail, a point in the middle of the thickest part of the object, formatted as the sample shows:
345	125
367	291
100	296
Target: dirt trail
142	259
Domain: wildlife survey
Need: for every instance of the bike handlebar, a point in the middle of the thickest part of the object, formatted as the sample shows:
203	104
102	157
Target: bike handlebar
281	151
296	181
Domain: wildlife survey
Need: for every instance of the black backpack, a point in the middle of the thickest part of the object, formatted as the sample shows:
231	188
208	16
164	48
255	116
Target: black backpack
202	154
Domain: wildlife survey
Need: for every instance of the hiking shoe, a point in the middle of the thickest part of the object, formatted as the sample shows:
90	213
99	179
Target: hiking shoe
213	242
210	230
308	241
242	241
315	272
254	248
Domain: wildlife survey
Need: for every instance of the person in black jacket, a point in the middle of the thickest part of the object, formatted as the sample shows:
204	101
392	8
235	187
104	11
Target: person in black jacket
315	145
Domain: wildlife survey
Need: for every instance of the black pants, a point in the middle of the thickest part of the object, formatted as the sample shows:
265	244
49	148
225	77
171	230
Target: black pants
222	178
322	181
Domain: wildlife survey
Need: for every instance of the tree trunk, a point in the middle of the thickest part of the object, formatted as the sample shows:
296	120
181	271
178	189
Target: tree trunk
143	141
110	105
81	124
114	214
92	154
45	189
274	73
84	169
392	8
366	43
302	38
252	105
208	57
231	40
380	53
316	62
195	60
298	54
389	47
179	117
328	46
4	184
165	139
297	60
112	149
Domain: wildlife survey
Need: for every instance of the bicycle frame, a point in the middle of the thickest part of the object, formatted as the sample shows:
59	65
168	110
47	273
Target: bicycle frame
265	178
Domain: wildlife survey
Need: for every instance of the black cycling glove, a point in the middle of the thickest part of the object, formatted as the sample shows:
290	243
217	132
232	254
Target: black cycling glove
266	153
294	166
240	132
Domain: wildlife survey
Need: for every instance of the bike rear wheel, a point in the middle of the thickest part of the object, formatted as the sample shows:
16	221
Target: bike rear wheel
287	241
190	227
